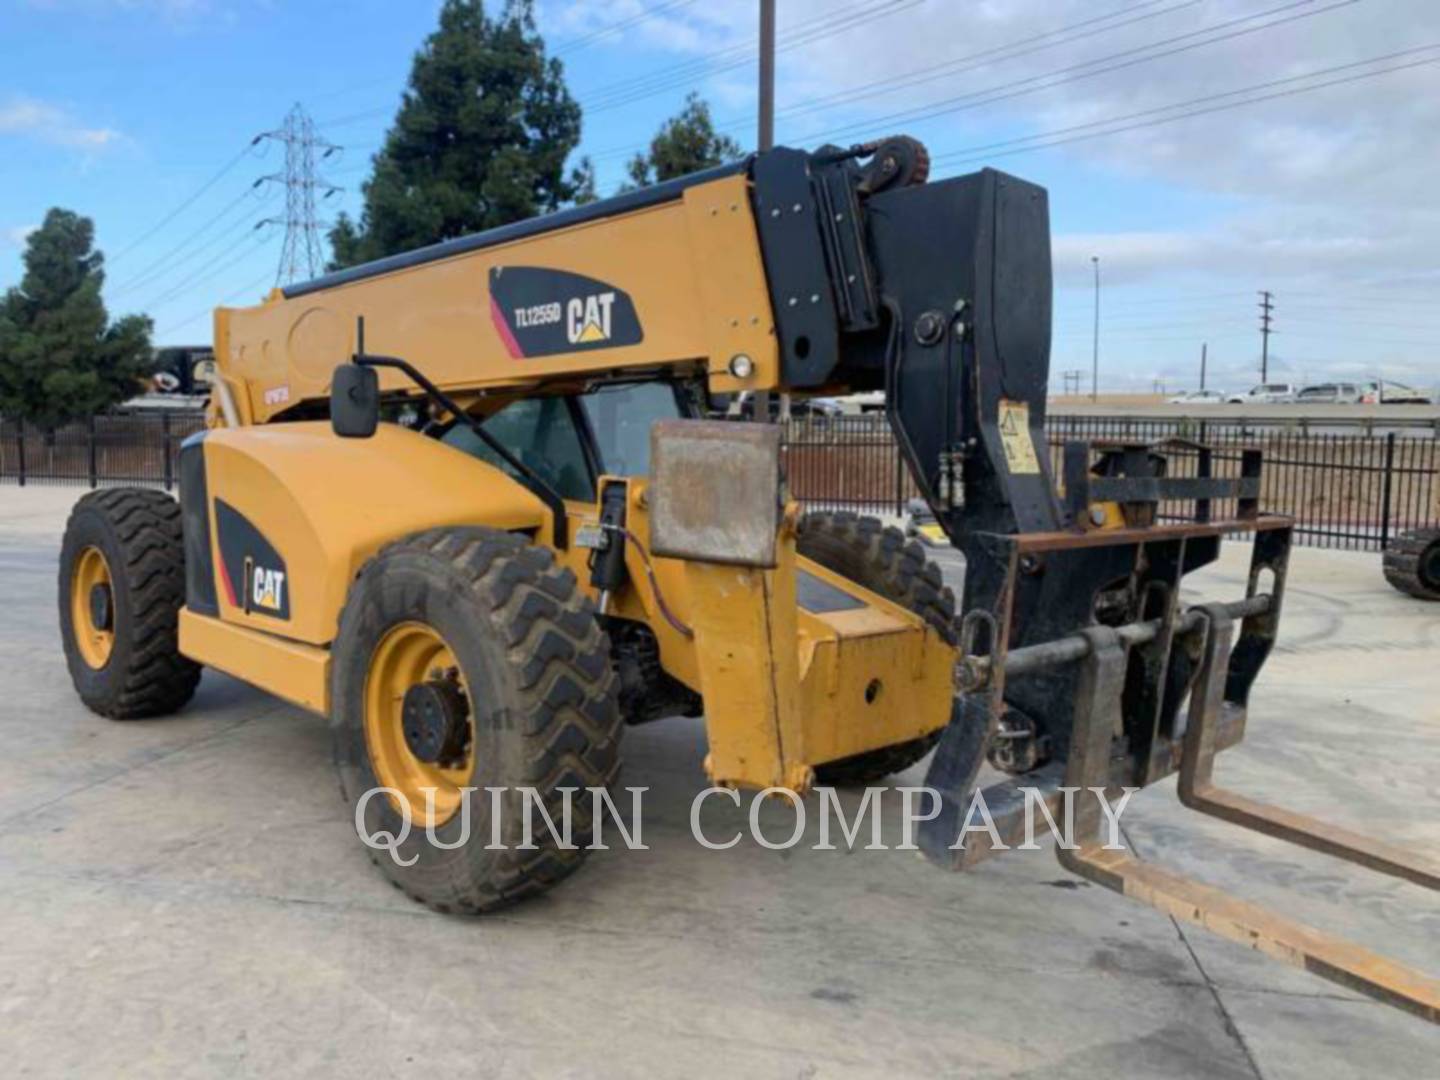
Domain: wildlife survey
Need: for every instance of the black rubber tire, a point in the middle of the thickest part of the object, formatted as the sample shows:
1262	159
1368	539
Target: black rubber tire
547	717
138	531
1412	563
882	560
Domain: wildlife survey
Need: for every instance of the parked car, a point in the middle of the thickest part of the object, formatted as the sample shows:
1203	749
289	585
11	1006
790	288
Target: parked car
1335	393
1386	392
1274	393
1197	397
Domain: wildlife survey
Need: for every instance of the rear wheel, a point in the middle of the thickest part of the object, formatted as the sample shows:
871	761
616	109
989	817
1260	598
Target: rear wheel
466	659
1412	563
882	560
122	584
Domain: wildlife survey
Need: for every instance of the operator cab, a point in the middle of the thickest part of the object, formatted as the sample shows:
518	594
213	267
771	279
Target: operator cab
571	440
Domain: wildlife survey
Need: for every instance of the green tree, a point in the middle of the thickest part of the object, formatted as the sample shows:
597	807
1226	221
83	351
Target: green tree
685	143
480	139
60	356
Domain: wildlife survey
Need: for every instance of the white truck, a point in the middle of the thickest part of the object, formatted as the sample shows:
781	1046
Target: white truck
1274	393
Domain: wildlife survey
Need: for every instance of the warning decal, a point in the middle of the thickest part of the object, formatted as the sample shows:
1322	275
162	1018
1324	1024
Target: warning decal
1015	437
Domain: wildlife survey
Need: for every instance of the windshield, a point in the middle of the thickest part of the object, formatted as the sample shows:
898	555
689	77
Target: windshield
541	433
548	436
620	419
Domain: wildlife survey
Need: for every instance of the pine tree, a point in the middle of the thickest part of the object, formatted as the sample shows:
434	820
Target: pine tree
60	356
685	143
480	139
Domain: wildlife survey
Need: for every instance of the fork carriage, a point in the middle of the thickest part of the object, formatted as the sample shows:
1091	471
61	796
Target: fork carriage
1149	688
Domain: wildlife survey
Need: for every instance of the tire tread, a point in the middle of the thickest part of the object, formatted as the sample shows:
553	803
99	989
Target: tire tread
158	679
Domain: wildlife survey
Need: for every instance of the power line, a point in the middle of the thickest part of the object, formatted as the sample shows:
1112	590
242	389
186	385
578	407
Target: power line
959	65
697	65
210	270
164	264
237	231
186	203
1077	73
1012	51
989	150
1351	293
586	40
686	72
723	60
1058	76
257	283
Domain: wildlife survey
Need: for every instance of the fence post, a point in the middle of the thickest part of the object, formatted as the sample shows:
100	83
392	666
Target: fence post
165	449
20	448
899	478
94	464
1385	491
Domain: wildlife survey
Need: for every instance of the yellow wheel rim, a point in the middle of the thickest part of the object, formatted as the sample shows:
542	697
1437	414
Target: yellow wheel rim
95	640
410	654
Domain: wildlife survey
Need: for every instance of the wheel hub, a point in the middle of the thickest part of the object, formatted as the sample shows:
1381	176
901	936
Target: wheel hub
433	717
102	607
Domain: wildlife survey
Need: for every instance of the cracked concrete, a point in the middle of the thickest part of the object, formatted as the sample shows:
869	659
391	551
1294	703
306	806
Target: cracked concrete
186	897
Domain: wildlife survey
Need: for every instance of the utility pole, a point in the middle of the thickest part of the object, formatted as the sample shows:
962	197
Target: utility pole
301	256
1095	358
765	140
1265	308
765	137
1204	348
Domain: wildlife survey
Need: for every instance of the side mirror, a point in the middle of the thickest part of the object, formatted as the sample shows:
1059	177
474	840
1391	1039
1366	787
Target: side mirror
354	401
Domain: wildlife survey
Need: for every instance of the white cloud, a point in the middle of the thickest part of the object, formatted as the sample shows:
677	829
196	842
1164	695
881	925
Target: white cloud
1328	192
16	235
25	117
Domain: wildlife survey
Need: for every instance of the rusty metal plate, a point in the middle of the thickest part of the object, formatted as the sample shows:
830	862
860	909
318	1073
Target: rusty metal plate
715	491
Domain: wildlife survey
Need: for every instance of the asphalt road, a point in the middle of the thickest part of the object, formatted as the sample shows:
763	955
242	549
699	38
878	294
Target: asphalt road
186	897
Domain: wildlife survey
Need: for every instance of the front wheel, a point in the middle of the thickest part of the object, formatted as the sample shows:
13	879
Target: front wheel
122	584
466	660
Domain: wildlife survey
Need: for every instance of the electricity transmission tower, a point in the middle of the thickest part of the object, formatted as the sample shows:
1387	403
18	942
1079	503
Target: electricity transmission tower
301	256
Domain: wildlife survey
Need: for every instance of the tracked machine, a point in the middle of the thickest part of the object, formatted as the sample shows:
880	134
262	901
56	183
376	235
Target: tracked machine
462	502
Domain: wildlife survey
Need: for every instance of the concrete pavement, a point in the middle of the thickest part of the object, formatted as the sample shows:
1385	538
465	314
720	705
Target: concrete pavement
186	897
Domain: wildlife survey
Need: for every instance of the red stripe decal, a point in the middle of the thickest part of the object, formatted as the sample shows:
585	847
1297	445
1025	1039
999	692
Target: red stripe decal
503	329
229	585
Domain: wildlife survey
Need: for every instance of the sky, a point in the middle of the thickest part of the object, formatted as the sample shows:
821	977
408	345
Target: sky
1200	150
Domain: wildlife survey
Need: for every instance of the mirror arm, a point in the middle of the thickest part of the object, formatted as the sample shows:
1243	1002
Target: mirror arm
537	483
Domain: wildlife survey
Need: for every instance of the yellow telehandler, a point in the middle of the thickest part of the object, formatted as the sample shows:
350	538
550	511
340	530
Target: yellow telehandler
463	502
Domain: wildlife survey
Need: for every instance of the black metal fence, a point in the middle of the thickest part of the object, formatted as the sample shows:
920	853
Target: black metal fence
116	448
1345	490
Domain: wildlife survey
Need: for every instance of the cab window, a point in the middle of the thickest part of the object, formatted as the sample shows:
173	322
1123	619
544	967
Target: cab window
541	433
620	419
